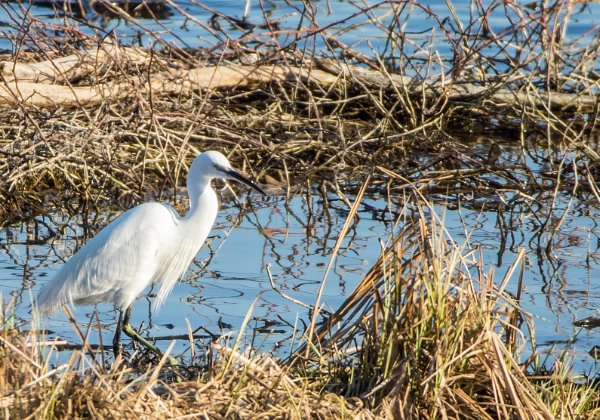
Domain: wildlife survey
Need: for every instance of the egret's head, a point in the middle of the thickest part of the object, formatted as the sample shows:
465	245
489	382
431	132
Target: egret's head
212	164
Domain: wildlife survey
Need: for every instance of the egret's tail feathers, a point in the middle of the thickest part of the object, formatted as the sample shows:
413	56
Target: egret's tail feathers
163	292
46	309
49	301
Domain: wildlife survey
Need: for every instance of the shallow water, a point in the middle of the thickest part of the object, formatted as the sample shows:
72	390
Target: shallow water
191	23
295	238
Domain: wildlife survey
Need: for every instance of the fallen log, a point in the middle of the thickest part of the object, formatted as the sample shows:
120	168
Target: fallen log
70	68
50	83
183	82
463	91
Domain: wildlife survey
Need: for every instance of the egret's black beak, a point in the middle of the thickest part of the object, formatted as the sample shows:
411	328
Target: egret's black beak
233	174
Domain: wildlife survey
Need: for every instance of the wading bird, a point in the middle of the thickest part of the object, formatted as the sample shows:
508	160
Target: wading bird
148	243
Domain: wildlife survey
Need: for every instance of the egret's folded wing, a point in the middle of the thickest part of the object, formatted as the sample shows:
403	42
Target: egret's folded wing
116	264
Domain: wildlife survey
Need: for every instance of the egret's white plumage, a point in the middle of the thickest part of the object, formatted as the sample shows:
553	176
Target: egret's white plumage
146	244
149	243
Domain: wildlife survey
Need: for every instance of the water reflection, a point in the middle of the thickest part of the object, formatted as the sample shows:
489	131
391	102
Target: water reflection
295	237
225	278
381	26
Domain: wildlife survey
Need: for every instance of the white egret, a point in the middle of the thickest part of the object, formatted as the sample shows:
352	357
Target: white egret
149	243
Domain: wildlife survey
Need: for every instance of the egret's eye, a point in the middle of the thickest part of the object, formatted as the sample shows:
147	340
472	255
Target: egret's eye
219	167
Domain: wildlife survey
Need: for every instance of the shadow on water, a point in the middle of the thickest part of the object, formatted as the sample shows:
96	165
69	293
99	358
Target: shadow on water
294	237
83	10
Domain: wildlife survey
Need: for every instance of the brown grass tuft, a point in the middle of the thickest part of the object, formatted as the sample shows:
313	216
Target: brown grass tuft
426	335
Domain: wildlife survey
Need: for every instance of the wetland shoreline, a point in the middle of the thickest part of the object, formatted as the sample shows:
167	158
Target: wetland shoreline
90	123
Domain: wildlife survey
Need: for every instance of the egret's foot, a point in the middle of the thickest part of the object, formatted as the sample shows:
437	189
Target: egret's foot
127	329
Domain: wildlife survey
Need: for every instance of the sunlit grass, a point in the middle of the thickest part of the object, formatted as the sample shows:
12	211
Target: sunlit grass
423	335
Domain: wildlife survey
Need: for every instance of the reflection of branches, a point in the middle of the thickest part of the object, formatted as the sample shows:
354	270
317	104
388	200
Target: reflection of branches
244	209
283	295
201	265
27	247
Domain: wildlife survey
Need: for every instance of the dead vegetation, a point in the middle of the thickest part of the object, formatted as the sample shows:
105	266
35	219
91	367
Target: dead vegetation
428	333
87	118
79	387
88	122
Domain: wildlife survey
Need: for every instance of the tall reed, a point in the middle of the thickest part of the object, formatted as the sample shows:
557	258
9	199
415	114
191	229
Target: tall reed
430	333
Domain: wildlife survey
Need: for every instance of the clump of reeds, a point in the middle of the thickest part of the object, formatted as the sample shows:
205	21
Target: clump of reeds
429	333
234	385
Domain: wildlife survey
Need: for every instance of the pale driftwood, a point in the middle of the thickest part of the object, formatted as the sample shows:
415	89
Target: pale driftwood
44	71
71	67
467	92
36	84
182	82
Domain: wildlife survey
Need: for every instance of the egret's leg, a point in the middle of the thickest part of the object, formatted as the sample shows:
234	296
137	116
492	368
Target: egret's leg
128	329
117	348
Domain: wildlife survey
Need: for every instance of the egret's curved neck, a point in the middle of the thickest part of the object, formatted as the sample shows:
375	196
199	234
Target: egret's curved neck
203	201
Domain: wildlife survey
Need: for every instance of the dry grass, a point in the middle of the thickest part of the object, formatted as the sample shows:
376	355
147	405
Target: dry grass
234	386
394	106
428	333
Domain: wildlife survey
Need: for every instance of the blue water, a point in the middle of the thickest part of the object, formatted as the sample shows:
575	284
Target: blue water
295	237
365	26
234	278
557	291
